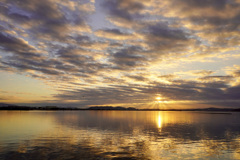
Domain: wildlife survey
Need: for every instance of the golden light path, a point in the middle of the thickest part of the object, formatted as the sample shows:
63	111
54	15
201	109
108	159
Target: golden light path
159	121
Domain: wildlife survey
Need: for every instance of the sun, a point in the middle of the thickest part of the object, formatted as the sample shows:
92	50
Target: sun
158	99
159	102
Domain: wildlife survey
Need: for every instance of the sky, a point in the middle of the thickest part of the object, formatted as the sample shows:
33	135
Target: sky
131	53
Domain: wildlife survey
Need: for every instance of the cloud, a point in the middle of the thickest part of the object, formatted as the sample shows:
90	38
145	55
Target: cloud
127	58
14	44
216	78
222	16
126	13
138	78
46	19
216	4
147	48
162	39
162	30
235	70
115	34
168	76
178	91
100	96
233	93
124	9
203	72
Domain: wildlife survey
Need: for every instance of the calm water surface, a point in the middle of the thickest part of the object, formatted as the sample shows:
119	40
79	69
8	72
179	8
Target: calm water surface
71	135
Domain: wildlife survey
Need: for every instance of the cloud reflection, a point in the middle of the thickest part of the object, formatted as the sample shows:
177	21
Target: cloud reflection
133	135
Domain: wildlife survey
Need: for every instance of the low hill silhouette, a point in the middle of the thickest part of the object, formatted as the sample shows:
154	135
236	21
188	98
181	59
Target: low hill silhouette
4	106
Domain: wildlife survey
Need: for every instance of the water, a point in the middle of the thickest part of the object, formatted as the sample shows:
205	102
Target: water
70	135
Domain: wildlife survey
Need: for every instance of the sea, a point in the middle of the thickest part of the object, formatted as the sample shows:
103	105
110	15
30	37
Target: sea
119	135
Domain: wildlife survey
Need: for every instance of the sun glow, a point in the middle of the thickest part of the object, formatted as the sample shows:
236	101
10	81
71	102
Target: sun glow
160	100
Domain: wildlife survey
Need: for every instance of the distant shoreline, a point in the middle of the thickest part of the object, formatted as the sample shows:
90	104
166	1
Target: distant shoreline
109	108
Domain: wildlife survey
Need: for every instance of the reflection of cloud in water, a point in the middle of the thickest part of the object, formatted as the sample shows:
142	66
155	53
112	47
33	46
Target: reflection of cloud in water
133	135
15	125
183	125
92	144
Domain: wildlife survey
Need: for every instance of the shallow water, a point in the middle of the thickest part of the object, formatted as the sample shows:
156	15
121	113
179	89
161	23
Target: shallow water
118	135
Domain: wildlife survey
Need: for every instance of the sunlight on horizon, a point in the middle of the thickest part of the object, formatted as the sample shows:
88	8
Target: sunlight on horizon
160	99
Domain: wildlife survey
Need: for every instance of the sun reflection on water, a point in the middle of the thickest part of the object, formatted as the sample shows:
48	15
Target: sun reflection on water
159	121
